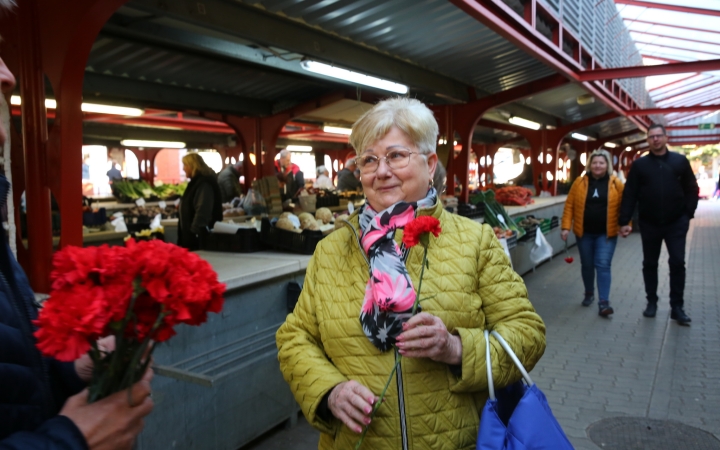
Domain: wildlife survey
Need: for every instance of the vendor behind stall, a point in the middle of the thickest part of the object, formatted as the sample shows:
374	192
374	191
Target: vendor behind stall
200	205
289	174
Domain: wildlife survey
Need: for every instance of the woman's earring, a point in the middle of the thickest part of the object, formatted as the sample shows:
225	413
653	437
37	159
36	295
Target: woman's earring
432	183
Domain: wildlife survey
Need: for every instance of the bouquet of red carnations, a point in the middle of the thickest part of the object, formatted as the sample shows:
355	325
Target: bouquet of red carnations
137	293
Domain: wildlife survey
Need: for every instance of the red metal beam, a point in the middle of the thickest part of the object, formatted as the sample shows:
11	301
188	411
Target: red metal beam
692	98
687	127
700	99
649	71
660	58
677	8
702	30
670	93
498	17
684	49
678	109
672	83
673	37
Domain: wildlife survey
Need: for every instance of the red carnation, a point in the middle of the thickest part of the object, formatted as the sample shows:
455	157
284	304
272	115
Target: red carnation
138	293
417	230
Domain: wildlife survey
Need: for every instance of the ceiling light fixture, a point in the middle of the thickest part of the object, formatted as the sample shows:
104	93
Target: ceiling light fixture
628	149
299	148
611	145
337	130
519	121
579	136
88	107
152	144
354	77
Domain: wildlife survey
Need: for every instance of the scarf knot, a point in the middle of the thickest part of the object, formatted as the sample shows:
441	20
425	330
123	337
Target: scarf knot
389	293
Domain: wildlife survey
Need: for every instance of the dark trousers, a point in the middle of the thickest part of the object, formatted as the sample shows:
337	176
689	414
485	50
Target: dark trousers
674	234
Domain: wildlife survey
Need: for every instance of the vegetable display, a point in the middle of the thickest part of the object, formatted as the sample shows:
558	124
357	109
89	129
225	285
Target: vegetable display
514	196
131	190
495	214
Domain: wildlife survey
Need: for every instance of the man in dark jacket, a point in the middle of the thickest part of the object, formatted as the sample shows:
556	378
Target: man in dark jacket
664	187
43	403
346	179
229	181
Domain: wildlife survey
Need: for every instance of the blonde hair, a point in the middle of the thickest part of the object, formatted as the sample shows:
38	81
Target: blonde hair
197	165
605	154
409	115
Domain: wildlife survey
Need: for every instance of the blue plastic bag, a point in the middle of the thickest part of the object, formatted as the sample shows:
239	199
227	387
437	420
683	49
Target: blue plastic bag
518	417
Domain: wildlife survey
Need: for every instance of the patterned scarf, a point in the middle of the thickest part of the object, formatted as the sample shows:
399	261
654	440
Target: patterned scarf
389	294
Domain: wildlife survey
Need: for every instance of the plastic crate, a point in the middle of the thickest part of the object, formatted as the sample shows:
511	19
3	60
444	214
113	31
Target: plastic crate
554	222
94	219
471	211
246	240
512	241
530	233
327	200
137	225
303	243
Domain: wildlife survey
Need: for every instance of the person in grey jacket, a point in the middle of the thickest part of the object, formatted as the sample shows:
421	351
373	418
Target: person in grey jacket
346	179
229	182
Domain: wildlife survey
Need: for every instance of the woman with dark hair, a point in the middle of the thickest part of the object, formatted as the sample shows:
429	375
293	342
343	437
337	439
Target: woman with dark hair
200	205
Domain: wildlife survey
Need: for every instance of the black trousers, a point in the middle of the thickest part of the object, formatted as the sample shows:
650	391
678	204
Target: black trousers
674	234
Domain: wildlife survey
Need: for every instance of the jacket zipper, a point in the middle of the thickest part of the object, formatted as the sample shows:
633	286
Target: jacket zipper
398	376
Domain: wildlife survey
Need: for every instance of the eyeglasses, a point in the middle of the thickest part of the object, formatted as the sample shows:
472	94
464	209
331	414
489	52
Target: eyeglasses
655	136
395	159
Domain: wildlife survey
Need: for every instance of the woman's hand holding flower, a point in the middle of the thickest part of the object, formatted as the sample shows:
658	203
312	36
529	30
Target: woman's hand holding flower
352	403
425	336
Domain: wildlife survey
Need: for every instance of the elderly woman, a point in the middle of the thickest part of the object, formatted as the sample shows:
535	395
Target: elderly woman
201	204
593	208
323	180
335	348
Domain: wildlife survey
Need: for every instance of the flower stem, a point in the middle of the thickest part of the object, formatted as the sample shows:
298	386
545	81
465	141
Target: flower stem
398	358
422	273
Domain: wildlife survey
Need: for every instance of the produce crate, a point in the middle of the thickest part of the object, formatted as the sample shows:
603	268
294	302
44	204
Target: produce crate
134	224
246	240
304	242
327	200
530	233
545	226
512	241
554	222
471	211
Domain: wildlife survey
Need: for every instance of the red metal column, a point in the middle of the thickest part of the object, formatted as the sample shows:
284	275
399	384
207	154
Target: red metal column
34	124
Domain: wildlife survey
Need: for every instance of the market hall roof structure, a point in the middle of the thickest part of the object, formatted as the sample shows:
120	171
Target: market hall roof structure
213	69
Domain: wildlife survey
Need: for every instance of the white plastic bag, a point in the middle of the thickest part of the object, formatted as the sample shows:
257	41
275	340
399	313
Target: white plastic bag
541	250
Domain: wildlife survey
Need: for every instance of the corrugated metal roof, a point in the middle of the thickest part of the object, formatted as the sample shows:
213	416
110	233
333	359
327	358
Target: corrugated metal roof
137	61
431	33
562	102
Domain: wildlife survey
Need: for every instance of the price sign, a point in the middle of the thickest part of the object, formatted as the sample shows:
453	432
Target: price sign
162	204
140	202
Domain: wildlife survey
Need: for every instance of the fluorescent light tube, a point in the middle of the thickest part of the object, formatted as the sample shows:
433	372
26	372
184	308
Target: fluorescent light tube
108	109
153	144
354	77
579	136
611	145
519	121
88	107
337	130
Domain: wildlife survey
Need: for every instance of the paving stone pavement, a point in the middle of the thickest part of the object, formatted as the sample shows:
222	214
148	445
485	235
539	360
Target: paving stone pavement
627	365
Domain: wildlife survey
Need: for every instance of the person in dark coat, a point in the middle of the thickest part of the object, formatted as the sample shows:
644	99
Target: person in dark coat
43	402
229	182
346	179
664	187
200	205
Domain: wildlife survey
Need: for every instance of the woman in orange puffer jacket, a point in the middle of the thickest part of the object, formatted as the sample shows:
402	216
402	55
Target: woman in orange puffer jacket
593	208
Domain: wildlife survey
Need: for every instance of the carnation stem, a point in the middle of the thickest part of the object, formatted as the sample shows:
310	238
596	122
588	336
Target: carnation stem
398	358
422	272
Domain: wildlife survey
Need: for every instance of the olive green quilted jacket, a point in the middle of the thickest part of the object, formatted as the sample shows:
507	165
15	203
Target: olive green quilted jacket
469	285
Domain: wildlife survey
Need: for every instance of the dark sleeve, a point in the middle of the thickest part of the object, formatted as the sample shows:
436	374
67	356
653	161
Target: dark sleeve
58	433
690	189
203	202
300	180
629	197
64	380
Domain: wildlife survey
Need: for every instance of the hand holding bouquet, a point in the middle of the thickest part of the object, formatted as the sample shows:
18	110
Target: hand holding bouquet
137	293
